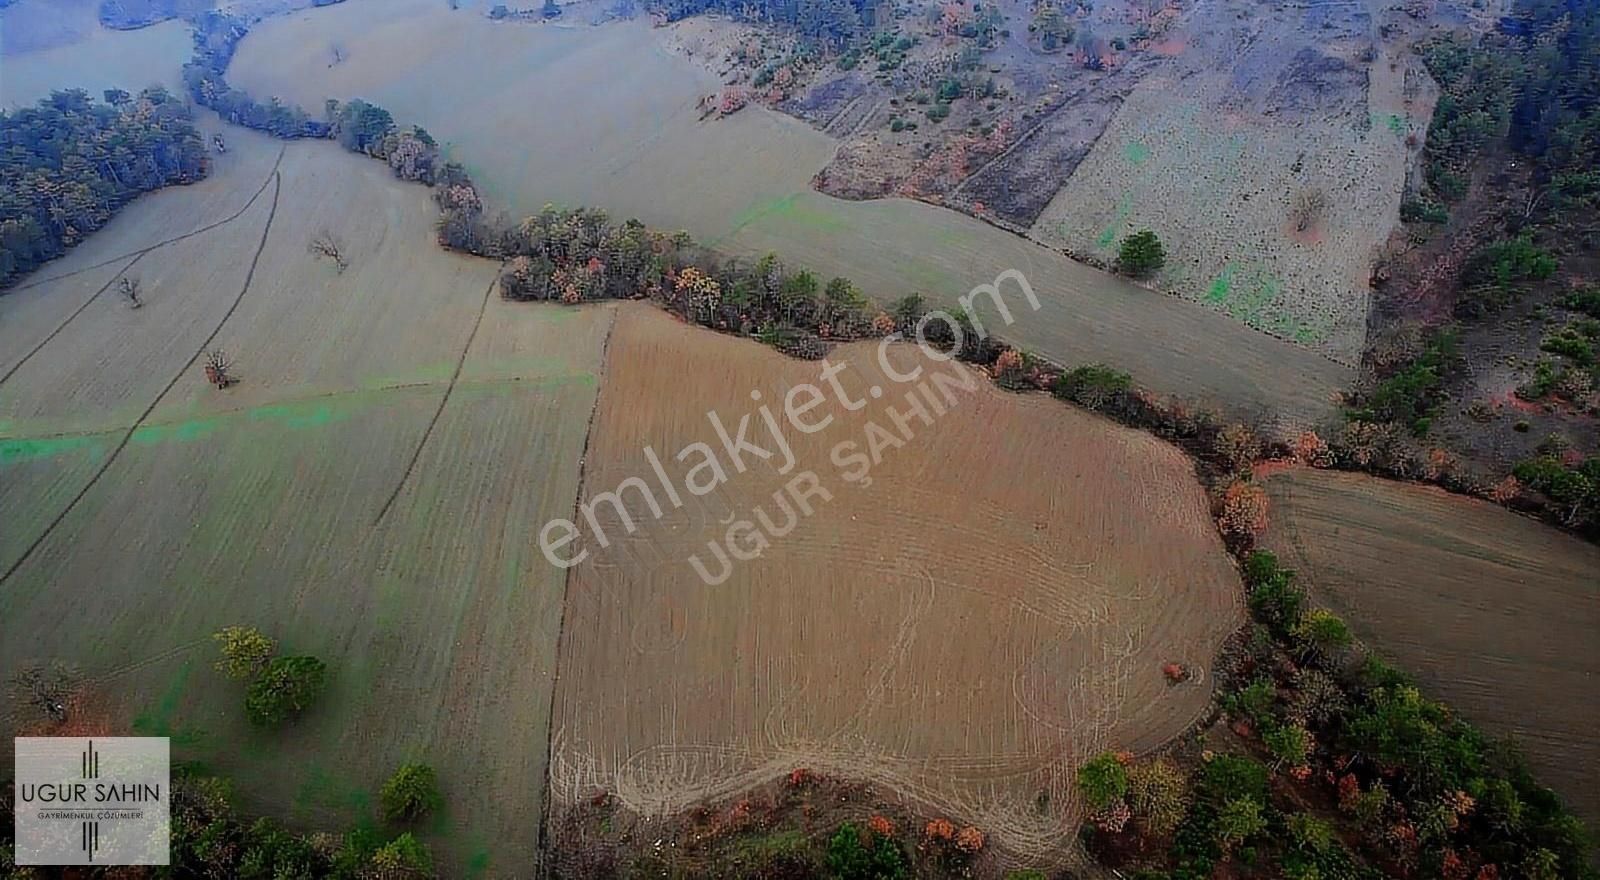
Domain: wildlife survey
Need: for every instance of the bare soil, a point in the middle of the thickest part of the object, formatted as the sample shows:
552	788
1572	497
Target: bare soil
1494	613
964	630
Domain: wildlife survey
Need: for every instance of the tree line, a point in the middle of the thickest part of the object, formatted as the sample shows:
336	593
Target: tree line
69	163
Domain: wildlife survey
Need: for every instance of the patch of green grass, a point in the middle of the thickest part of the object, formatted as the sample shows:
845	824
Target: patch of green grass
24	449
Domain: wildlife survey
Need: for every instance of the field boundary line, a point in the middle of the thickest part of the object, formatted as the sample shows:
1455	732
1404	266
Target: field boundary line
111	459
161	244
566	596
461	362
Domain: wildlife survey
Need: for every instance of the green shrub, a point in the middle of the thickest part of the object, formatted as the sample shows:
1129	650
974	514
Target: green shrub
1275	599
411	793
1238	820
1141	254
1102	781
1423	211
1226	777
938	112
245	651
1288	743
1413	392
1254	701
1092	386
286	688
1575	341
1499	273
1585	300
854	855
1321	633
405	856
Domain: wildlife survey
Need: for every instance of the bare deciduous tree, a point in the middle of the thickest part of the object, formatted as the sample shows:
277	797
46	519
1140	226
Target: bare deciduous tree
218	367
326	244
129	288
1309	206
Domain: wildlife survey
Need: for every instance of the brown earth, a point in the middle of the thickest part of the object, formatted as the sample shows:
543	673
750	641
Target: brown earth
990	606
1494	613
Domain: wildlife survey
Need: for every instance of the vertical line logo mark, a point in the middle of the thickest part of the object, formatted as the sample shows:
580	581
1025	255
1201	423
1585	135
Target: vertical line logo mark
91	762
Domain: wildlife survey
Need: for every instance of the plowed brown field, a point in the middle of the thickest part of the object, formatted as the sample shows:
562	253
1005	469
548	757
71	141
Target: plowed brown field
1492	612
995	606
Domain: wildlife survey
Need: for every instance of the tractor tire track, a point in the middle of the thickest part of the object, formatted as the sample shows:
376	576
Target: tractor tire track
250	275
543	869
461	362
75	313
136	257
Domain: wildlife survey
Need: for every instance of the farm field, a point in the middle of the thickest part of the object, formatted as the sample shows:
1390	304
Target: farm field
41	40
626	137
369	493
984	578
1269	153
1492	612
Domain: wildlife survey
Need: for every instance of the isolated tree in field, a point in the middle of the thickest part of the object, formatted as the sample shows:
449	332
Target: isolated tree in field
1141	254
217	368
1308	208
129	288
45	688
245	651
284	689
326	244
411	793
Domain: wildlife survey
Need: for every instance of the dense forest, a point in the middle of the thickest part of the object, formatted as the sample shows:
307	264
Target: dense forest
1536	83
68	163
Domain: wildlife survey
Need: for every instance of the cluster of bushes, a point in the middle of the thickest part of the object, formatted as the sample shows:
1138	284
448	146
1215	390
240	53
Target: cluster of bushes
1411	393
1573	488
279	689
1499	273
68	164
1417	789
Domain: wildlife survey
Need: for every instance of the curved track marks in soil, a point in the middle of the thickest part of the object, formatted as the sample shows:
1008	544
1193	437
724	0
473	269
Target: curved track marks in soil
461	361
110	459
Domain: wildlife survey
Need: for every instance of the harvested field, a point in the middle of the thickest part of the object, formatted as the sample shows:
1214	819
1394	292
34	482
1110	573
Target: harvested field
58	44
369	493
742	183
982	578
1492	612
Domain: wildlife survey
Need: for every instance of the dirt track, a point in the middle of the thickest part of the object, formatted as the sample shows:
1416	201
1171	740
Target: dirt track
1492	612
997	576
